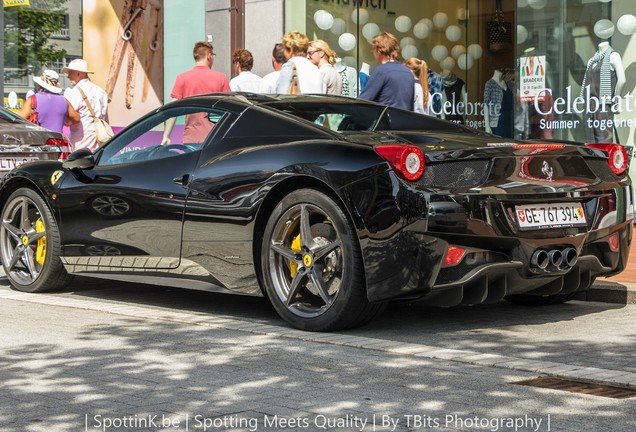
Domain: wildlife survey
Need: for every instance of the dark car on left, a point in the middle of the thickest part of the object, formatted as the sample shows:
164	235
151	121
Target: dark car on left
21	141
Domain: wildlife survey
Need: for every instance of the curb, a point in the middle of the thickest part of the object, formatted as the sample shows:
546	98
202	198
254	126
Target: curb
605	291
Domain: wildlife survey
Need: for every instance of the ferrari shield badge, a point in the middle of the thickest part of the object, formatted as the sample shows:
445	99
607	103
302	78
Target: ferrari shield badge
56	176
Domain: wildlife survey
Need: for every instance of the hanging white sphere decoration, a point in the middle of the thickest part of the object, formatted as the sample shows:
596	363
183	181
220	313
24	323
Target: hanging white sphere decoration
448	63
339	26
522	34
347	41
421	30
428	22
604	29
465	61
323	19
522	3
406	41
475	50
409	51
439	52
453	33
364	16
627	24
403	23
458	50
370	30
440	19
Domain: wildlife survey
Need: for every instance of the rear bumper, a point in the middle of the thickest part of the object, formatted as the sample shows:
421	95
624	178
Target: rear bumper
404	242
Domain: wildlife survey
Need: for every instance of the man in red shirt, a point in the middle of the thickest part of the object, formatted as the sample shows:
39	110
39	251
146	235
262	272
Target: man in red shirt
200	79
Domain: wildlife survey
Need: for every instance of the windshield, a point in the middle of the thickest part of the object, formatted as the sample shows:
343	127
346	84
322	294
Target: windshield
352	116
337	117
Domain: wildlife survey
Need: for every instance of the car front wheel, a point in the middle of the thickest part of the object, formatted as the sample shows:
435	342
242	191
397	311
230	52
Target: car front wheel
30	244
311	265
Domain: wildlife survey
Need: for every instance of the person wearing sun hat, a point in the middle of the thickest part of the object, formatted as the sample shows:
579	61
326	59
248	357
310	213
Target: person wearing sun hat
52	108
84	91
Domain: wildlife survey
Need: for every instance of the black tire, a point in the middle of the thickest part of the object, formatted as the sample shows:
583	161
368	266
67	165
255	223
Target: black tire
30	244
547	300
320	287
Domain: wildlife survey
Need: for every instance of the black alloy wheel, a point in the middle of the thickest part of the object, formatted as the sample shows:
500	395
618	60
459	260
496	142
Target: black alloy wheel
30	244
311	265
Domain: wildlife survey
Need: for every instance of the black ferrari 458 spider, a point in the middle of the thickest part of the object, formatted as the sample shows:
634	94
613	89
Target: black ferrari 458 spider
329	207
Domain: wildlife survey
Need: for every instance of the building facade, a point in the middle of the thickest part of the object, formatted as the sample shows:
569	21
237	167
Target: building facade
539	69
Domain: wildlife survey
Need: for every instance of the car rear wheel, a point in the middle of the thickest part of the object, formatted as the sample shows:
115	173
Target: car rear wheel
311	265
30	244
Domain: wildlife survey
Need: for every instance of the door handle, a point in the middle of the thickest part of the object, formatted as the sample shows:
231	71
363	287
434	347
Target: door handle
182	180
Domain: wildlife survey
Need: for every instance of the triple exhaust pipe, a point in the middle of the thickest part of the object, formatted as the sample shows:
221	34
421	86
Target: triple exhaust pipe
554	259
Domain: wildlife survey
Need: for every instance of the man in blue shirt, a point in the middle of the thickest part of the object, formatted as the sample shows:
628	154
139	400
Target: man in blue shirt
390	83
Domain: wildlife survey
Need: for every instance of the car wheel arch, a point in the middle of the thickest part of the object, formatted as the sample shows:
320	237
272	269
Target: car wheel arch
20	182
274	196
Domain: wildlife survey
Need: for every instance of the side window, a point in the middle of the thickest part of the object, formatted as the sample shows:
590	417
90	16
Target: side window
165	134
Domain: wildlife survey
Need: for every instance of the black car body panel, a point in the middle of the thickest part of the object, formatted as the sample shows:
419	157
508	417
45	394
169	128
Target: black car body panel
197	219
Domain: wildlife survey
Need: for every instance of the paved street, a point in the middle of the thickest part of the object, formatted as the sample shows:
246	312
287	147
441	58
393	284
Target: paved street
127	357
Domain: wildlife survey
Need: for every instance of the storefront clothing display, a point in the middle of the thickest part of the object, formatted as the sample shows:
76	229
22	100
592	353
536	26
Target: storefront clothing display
604	78
454	92
499	101
435	88
349	78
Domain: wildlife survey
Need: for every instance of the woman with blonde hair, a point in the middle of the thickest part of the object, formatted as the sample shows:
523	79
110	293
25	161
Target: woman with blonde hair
390	83
322	56
298	67
421	101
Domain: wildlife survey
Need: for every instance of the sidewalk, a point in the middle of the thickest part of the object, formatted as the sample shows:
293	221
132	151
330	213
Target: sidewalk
616	289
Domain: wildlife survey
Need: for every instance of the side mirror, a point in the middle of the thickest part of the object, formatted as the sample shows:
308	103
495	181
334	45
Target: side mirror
81	159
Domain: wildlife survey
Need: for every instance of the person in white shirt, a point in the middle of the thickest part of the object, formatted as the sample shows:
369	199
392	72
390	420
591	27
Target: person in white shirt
245	81
83	133
308	74
278	60
320	54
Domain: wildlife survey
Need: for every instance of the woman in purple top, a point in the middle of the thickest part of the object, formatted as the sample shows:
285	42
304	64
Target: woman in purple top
52	107
391	83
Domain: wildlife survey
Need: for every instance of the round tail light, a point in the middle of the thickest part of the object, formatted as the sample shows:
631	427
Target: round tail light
406	160
617	156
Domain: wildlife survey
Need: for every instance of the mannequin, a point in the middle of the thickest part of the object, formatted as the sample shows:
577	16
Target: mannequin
604	79
454	94
498	98
436	89
348	75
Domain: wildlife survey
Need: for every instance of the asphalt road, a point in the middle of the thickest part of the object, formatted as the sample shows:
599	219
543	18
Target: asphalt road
104	356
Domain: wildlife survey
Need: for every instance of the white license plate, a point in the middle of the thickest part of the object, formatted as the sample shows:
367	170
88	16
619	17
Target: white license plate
536	216
8	163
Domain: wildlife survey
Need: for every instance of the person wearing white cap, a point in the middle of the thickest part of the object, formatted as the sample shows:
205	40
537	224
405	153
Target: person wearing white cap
51	107
84	92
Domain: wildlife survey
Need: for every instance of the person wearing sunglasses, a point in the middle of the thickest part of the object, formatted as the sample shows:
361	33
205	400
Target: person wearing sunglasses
322	56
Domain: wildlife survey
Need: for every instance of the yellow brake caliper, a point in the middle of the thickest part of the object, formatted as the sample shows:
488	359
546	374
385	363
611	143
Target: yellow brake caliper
296	247
40	251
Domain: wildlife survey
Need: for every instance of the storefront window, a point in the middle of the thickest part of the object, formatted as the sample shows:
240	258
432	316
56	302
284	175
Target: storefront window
578	51
453	37
517	68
